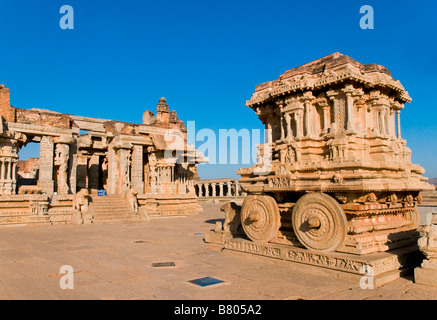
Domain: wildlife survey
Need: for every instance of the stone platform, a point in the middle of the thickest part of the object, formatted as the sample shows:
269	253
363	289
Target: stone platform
384	267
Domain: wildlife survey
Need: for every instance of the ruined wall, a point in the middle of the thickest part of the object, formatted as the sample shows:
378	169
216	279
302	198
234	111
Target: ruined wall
6	110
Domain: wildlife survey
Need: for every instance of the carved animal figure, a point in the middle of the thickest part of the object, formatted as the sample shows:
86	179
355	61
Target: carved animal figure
131	197
232	224
81	200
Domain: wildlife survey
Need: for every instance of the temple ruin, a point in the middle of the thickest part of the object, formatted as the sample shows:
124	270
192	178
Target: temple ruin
147	168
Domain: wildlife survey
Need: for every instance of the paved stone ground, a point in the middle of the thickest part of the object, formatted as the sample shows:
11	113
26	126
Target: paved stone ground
114	261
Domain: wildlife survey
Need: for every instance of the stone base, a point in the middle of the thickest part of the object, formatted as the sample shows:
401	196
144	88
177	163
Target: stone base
426	273
382	266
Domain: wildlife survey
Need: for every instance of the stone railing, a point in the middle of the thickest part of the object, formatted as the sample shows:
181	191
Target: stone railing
218	189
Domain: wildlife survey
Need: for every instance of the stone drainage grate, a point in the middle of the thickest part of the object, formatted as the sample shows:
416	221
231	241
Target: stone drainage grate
206	281
163	264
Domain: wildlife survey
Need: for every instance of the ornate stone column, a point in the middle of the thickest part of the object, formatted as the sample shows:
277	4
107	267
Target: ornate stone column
289	129
298	118
62	152
308	96
3	169
221	189
348	90
137	168
124	169
46	165
324	105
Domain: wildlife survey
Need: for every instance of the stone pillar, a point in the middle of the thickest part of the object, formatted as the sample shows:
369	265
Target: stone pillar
281	123
298	117
288	124
307	116
124	169
73	167
62	152
229	194
392	123
8	172
220	189
237	189
112	170
365	121
137	168
3	169
213	185
348	90
206	189
398	116
46	165
326	123
199	190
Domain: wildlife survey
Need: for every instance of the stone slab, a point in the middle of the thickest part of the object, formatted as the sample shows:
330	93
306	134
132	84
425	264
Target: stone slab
425	276
384	266
425	214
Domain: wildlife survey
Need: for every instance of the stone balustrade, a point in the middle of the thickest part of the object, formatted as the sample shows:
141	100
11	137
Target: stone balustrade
218	188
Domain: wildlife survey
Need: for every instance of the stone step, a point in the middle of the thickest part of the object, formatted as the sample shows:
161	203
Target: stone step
130	218
112	208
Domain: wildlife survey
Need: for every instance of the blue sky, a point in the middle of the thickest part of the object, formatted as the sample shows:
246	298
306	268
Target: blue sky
206	57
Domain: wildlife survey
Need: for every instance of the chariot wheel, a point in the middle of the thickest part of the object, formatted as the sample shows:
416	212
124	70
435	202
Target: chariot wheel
319	222
260	218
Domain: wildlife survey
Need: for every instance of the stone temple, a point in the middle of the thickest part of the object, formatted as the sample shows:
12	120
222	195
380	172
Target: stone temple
142	168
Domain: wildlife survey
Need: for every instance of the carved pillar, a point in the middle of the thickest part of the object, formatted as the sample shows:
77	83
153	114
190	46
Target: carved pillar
307	116
298	118
288	125
349	108
348	90
221	189
137	168
325	110
398	116
62	152
46	165
3	169
124	169
237	189
213	185
307	97
392	127
9	175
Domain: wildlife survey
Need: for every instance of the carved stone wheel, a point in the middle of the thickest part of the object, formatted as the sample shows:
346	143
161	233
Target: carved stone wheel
319	222
260	218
